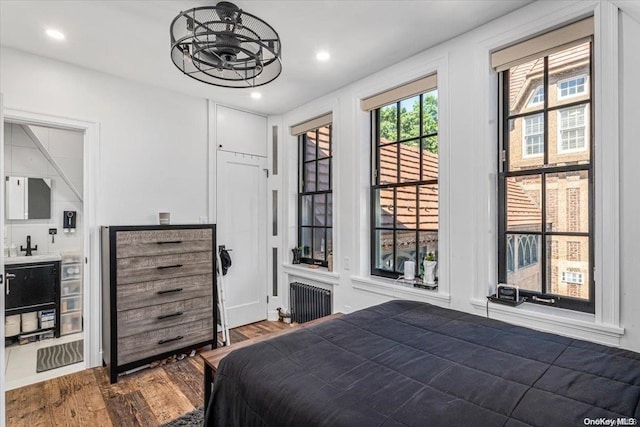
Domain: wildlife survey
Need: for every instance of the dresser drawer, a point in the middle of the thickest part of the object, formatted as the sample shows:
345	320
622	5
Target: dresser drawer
142	269
148	344
163	236
144	294
127	250
133	322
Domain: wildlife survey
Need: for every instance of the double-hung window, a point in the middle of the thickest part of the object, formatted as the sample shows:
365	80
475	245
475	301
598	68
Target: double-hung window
404	190
546	177
315	198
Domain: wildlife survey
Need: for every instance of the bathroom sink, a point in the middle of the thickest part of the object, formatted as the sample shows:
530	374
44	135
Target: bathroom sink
32	259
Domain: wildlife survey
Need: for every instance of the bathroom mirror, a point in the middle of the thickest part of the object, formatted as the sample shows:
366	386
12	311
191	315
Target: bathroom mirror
27	197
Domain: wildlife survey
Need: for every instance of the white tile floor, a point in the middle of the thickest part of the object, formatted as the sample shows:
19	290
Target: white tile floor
20	363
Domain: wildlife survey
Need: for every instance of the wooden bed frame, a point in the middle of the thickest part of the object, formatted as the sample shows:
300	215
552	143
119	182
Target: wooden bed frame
213	357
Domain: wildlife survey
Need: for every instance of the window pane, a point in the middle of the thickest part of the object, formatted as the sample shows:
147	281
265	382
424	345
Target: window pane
388	167
306	239
428	207
410	161
524	80
524	212
384	207
310	145
569	75
568	201
319	206
329	240
526	142
329	210
406	208
410	118
527	262
430	158
537	98
384	250
318	243
569	136
405	248
430	112
388	123
568	266
324	176
324	148
310	176
428	243
306	210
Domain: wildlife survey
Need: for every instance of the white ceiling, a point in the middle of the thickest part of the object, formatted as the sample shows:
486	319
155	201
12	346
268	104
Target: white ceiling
130	39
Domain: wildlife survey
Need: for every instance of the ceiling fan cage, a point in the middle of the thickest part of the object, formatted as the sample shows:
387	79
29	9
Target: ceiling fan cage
225	46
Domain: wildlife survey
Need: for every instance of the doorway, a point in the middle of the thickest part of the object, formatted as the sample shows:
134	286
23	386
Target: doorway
43	249
241	225
86	261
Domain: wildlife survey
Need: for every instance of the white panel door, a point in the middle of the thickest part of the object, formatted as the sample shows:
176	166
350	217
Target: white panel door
241	227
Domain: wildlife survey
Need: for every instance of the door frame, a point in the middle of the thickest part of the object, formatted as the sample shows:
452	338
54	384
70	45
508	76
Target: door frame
91	232
2	366
212	181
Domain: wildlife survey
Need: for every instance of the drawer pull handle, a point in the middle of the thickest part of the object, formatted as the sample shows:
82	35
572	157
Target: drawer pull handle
164	267
170	242
170	291
167	316
178	338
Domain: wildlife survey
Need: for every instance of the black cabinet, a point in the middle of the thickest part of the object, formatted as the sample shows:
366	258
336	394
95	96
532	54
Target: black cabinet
33	287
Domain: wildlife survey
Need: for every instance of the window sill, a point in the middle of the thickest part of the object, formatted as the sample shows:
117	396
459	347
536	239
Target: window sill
321	274
395	289
555	320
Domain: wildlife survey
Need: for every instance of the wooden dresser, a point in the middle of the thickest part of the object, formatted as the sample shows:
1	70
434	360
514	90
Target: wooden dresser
158	293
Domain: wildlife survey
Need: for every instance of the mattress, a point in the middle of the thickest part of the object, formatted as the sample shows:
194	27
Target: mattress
406	363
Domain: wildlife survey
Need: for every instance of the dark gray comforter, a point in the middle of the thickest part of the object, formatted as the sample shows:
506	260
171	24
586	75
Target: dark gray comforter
405	363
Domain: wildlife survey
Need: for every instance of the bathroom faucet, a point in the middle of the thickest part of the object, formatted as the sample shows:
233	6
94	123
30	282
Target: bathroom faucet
28	249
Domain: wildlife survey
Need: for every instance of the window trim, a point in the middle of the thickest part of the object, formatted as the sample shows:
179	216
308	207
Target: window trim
587	129
569	96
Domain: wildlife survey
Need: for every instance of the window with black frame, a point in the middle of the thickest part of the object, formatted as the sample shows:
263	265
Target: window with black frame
546	178
404	191
315	199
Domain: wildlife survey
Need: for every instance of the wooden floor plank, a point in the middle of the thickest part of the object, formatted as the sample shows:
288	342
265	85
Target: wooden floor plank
27	406
73	400
131	409
164	397
188	380
146	398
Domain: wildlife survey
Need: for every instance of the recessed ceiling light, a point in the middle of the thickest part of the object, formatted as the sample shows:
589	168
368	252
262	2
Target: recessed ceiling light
256	95
55	34
323	55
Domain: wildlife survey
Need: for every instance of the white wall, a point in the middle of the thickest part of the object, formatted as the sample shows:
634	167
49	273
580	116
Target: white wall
153	142
23	158
468	109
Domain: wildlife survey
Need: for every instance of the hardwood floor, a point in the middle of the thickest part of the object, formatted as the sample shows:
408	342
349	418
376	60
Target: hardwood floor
146	398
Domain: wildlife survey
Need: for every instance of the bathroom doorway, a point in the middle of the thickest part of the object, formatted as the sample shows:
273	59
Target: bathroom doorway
44	247
59	151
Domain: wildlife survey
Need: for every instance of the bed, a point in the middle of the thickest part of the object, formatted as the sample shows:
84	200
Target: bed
406	363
